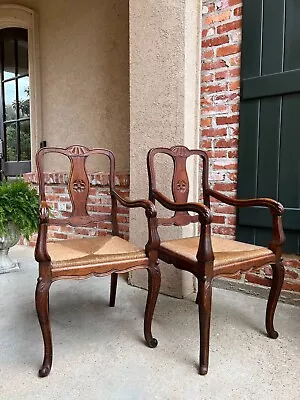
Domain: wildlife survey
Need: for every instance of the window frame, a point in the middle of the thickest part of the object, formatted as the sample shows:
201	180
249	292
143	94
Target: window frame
15	16
14	34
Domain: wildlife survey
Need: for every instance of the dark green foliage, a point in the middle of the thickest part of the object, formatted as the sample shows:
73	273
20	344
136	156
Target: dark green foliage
19	203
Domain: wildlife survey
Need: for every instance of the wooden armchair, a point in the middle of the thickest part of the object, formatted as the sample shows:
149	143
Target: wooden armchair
208	256
80	258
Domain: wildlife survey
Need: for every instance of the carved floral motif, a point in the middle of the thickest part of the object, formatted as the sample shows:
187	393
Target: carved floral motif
181	186
79	186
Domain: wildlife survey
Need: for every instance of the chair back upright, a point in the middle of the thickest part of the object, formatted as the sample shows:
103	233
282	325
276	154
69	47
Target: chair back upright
180	181
78	185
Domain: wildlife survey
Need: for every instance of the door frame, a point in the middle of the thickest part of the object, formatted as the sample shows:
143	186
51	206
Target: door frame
14	16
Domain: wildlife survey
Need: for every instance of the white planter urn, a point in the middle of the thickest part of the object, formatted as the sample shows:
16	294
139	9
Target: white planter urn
8	240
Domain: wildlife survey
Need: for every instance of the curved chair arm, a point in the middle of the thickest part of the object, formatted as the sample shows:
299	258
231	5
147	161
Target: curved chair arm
205	253
151	214
202	210
275	207
146	204
41	253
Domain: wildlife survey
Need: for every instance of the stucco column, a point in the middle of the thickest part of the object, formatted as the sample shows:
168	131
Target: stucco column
164	108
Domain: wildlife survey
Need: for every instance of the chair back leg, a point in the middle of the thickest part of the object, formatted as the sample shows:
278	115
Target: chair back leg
113	289
204	307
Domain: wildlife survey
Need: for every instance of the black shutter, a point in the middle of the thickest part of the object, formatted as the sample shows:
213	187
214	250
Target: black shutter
269	145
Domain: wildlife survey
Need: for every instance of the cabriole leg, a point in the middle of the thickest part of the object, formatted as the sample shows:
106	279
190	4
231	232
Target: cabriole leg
154	279
277	282
42	308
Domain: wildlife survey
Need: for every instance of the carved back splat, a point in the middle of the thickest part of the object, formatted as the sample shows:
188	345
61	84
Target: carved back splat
78	184
180	181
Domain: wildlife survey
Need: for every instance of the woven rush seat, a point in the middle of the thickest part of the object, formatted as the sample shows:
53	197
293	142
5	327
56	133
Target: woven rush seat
86	251
226	251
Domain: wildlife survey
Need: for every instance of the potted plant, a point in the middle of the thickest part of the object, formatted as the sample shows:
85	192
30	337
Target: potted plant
19	215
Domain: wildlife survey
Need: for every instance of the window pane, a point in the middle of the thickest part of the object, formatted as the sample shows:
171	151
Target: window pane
10	100
11	142
9	59
23	86
25	153
22	57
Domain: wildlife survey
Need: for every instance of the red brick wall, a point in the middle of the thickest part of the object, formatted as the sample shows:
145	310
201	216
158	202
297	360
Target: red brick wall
221	42
99	202
221	55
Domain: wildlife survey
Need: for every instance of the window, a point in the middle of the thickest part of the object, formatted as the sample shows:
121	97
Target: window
15	105
24	19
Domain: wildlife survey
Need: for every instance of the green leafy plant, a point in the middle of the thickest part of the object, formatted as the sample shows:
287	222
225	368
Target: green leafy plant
19	203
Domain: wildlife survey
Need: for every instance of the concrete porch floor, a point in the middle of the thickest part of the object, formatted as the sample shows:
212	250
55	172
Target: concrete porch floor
99	352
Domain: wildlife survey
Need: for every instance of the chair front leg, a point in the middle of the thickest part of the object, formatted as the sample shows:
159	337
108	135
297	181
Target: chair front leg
277	282
42	308
204	307
154	279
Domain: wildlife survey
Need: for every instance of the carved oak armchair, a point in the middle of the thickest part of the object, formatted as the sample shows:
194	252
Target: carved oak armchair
80	258
207	256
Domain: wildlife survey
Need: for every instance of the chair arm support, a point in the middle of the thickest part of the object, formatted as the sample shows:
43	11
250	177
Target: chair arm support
41	253
278	238
151	213
44	212
274	206
202	210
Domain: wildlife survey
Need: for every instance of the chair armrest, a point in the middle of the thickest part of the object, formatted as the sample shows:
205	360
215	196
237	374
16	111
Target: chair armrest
146	204
202	210
151	213
274	206
205	251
